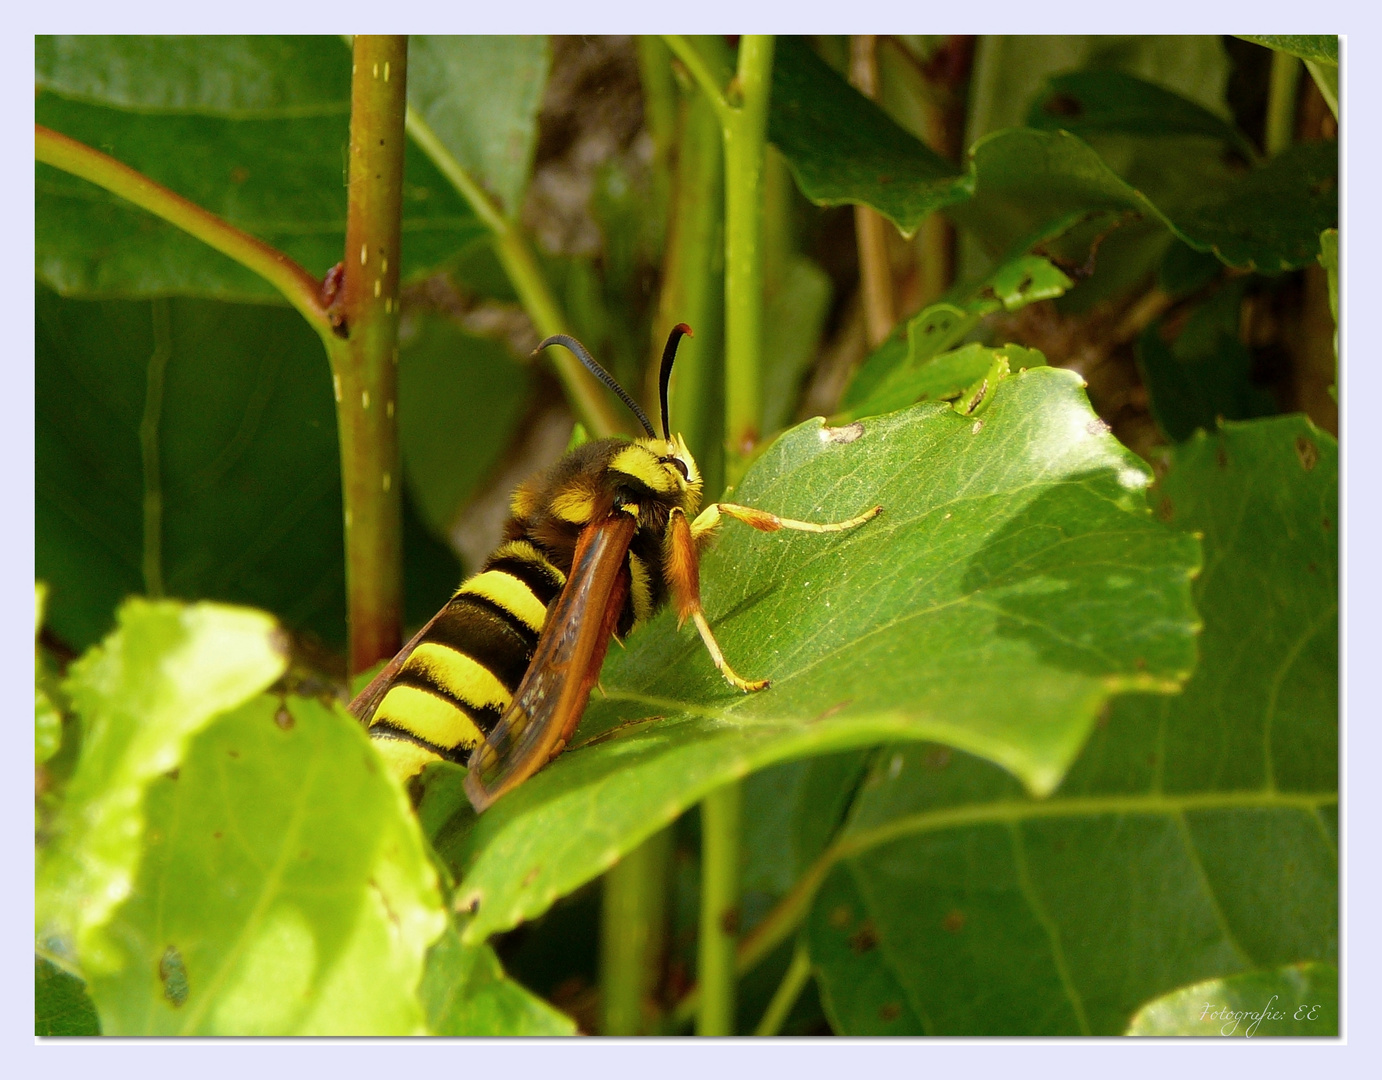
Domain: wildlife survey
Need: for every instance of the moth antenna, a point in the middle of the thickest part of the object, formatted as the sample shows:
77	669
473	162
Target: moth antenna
669	354
600	373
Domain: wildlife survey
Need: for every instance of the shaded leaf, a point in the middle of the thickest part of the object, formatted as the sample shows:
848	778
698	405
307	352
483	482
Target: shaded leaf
465	992
460	398
1267	219
1204	374
480	96
284	890
842	148
1196	836
61	1007
1018	546
1300	999
1329	259
165	673
1321	48
1102	102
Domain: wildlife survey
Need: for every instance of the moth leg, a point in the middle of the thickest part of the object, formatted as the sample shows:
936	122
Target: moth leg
710	517
681	568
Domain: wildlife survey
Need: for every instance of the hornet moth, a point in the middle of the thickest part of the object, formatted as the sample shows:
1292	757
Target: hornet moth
596	544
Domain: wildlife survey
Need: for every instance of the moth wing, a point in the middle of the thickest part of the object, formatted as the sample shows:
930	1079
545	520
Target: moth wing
549	701
364	703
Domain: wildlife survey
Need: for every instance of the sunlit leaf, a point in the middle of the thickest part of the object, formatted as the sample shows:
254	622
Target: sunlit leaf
1014	581
1300	999
1321	48
284	890
61	1006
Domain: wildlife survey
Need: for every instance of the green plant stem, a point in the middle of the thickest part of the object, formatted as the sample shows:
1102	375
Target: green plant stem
584	393
298	287
745	133
788	990
720	826
149	426
633	936
1281	102
364	351
702	71
693	291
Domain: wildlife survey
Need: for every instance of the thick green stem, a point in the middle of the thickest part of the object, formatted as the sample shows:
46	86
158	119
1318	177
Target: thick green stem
693	291
788	990
364	350
1281	102
584	393
720	825
633	936
298	287
745	131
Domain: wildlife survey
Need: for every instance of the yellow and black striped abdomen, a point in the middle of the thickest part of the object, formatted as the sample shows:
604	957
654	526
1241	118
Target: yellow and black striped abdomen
457	681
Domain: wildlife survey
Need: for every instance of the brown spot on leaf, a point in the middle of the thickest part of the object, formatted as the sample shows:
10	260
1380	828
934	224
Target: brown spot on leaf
1308	452
731	921
1328	524
1165	510
937	758
239	174
216	835
233	753
831	710
954	921
283	718
864	939
531	875
889	1012
1066	106
841	916
1221	456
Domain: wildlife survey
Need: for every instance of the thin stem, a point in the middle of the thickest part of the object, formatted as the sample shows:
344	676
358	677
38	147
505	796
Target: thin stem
1281	102
298	287
364	351
745	133
788	990
720	822
633	936
585	395
149	448
699	68
875	269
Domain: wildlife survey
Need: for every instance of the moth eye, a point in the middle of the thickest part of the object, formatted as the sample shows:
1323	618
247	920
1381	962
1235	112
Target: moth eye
681	468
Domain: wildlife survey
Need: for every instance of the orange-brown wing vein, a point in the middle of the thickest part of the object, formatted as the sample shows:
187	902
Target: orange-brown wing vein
367	700
549	701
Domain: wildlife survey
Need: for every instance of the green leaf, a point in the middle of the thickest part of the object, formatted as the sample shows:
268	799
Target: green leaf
142	694
1320	48
230	125
452	383
1204	374
1329	259
842	148
898	374
1014	580
1299	999
946	377
480	96
61	1007
1195	838
466	993
1267	219
285	888
1326	77
1103	102
248	467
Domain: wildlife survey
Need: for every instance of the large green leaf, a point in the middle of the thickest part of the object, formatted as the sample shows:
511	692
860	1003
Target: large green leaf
480	96
285	888
162	676
1300	999
1103	102
465	992
1195	838
1014	580
842	148
254	130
